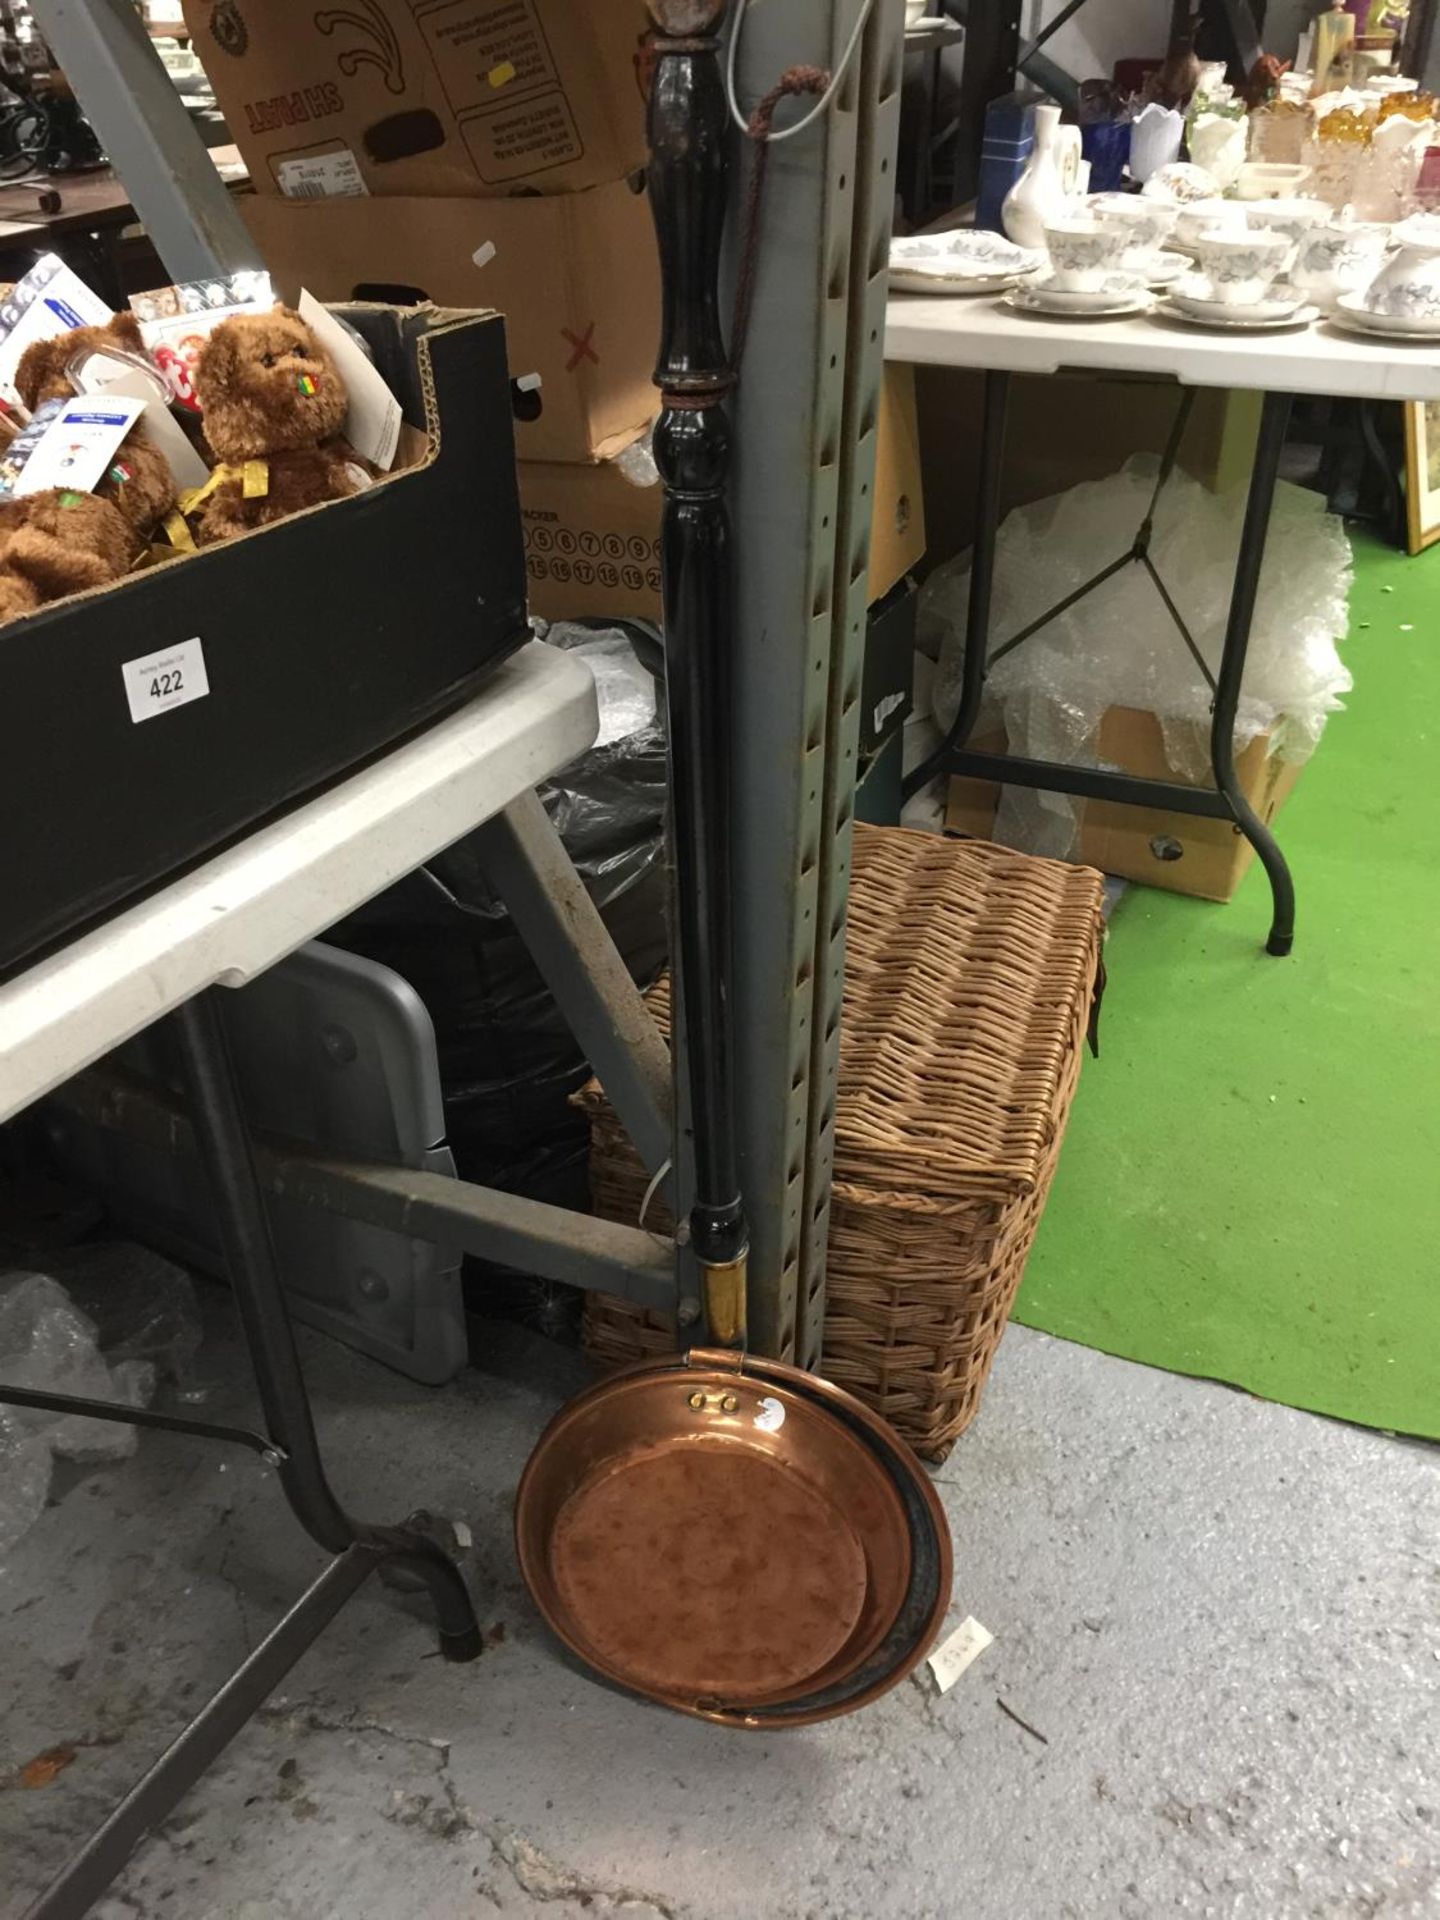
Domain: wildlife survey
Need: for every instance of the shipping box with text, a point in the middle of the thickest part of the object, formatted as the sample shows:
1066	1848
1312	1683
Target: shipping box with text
592	537
428	96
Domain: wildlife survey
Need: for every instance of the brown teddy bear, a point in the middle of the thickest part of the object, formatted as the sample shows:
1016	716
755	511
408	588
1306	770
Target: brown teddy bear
273	403
140	482
54	543
60	542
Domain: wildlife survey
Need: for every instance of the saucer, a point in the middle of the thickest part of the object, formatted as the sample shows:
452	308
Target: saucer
1166	268
1122	294
1274	308
1119	290
908	281
1227	317
964	261
1352	314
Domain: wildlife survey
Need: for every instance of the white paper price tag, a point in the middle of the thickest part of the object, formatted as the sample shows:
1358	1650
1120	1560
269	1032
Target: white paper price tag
171	678
953	1656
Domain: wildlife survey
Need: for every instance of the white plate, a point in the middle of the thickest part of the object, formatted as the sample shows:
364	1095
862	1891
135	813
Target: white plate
903	282
1260	313
1169	309
1352	314
967	260
1119	290
1167	268
962	251
1031	300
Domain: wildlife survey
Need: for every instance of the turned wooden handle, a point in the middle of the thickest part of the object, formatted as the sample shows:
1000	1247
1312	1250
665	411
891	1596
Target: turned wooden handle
688	181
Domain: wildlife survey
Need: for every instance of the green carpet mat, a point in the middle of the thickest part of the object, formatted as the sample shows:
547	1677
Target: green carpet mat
1250	1187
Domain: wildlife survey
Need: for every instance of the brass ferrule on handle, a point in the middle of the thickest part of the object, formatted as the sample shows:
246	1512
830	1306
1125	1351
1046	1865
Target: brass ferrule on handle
724	1284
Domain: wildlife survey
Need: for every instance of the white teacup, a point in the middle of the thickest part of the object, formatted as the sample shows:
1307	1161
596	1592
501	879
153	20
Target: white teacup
1146	224
1084	251
1292	217
1241	266
1343	257
1197	222
1408	285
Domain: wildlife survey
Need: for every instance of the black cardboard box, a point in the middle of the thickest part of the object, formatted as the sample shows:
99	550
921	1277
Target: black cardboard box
889	669
323	639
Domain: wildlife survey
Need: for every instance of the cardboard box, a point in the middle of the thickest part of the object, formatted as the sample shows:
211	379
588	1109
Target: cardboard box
592	537
307	646
897	521
577	277
1064	428
592	542
1178	851
428	96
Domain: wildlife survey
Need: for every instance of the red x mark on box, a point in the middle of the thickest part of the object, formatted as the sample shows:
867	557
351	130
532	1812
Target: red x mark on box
581	343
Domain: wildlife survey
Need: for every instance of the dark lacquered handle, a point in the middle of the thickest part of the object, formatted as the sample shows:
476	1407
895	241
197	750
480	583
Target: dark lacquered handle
688	181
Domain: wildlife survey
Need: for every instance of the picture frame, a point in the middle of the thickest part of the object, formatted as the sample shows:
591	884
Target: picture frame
1422	474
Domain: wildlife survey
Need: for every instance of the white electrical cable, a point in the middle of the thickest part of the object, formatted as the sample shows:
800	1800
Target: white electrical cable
650	1193
807	119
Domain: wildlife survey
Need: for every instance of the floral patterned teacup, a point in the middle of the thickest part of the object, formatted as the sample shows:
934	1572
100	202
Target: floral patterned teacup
1146	224
1241	266
1343	257
1084	252
1295	218
1408	286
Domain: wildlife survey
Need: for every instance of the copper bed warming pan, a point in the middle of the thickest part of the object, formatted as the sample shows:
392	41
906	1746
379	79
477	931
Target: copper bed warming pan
734	1538
724	1534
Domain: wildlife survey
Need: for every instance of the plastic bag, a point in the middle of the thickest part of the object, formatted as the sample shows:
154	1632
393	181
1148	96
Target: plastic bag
508	1060
142	1307
1119	647
24	1479
47	1344
122	1319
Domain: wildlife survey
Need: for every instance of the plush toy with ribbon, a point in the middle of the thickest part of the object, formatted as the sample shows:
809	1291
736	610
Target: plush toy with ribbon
139	482
58	542
273	404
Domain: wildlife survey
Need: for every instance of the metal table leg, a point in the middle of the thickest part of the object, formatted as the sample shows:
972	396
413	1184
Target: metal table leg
1223	801
220	1131
982	575
229	1161
1274	417
148	1802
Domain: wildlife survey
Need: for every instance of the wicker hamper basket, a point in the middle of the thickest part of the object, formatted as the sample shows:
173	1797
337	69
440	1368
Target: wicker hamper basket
970	976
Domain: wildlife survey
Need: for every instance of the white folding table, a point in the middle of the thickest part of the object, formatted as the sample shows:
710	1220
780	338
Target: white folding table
219	926
1323	358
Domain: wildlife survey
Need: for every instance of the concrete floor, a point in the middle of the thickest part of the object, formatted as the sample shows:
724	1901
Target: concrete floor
1221	1615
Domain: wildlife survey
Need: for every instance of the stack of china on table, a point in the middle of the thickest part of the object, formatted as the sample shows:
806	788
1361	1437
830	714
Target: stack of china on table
966	261
1242	266
1087	277
1269	259
1281	263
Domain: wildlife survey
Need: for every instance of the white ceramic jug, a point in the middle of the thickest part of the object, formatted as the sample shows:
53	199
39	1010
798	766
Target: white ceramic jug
1045	188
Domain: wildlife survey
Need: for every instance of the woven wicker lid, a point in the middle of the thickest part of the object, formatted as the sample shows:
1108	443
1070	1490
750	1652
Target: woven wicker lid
963	962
